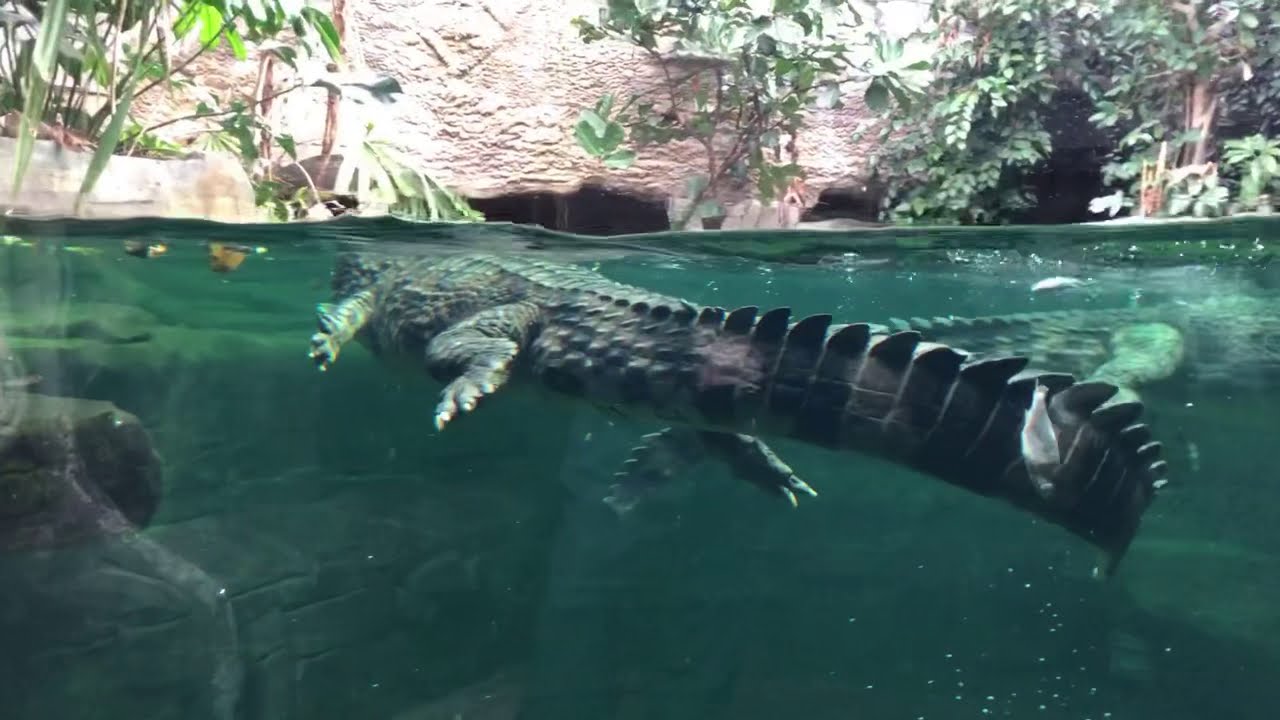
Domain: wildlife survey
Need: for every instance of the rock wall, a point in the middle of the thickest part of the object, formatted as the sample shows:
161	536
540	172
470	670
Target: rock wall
213	187
493	89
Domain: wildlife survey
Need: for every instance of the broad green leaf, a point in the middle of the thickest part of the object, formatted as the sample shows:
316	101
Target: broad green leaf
587	139
236	43
210	25
44	56
328	33
620	159
594	122
604	105
614	135
288	145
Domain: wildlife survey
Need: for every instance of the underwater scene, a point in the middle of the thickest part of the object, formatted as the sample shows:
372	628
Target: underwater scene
383	469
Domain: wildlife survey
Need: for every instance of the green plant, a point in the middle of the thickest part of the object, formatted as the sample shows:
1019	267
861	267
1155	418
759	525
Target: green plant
79	66
965	154
735	80
1006	72
1199	193
376	173
1257	158
1169	72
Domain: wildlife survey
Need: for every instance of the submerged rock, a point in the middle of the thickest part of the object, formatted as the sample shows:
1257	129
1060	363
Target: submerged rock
71	470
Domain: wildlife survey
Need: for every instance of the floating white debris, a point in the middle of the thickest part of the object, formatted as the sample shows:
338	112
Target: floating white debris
1059	282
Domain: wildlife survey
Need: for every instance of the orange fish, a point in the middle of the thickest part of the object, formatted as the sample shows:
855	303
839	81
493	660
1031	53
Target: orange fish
224	257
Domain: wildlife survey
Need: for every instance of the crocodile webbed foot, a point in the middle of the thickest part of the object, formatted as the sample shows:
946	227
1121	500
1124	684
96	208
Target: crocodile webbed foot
324	350
338	323
653	463
463	393
474	357
752	460
664	453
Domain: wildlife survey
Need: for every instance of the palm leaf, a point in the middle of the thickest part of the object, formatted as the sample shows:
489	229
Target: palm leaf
43	59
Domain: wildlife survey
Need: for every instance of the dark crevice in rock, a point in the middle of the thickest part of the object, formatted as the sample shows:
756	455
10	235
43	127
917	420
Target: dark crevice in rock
591	210
1072	174
844	203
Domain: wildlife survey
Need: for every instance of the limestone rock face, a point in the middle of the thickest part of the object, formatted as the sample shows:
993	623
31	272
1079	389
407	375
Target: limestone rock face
493	89
213	187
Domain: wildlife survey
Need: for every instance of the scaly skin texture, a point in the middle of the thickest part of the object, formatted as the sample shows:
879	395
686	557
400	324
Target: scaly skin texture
1233	338
722	380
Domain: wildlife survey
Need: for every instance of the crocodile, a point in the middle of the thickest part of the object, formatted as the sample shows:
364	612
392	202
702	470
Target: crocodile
718	381
1231	338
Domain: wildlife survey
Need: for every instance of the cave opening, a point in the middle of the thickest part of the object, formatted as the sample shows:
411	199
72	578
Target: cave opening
1072	174
843	203
590	210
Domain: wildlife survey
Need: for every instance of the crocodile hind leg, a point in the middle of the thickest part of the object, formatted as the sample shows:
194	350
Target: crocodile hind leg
664	453
1141	353
339	323
474	356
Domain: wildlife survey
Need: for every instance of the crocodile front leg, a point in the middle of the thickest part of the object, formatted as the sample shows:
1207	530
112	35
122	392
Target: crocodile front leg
339	323
474	357
664	453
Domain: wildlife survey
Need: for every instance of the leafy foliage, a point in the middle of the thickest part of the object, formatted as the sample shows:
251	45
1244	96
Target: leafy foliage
737	77
377	173
1199	194
964	154
1202	70
1257	159
73	69
1154	71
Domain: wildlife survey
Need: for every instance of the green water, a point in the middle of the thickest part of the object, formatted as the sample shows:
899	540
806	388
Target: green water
318	551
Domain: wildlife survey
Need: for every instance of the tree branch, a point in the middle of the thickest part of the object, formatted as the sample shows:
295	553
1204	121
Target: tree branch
202	116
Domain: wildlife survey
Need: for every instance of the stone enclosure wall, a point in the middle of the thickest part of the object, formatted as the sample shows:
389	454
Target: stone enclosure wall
492	92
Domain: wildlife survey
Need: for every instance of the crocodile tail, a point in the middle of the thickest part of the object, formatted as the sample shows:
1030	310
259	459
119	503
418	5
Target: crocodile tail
934	408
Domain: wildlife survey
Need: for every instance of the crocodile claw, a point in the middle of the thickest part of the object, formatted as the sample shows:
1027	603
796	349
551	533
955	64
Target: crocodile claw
796	485
324	351
464	393
791	485
771	474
